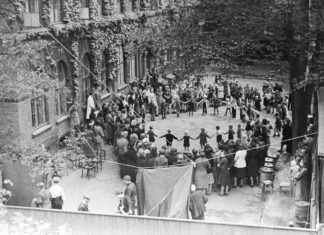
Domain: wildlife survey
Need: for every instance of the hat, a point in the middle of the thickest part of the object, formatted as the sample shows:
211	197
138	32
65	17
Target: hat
127	177
173	150
134	123
56	179
86	197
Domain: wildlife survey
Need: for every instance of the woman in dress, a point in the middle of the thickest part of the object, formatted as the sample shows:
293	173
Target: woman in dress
200	175
239	166
252	164
74	115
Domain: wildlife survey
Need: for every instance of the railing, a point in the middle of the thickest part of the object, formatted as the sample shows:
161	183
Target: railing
88	223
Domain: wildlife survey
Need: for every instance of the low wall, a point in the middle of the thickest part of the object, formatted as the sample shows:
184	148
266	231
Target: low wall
87	223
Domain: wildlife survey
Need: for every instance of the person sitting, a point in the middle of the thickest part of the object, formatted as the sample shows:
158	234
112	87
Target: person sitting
84	204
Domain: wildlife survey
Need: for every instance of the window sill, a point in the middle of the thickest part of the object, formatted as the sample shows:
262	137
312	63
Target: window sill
105	95
41	130
61	118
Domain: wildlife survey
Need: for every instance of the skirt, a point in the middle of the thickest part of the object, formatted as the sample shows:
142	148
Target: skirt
211	178
239	172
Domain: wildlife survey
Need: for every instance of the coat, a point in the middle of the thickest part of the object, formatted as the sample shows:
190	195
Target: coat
160	161
197	203
200	175
252	163
224	174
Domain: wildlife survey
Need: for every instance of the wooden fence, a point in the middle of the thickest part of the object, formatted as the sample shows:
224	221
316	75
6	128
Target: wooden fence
97	224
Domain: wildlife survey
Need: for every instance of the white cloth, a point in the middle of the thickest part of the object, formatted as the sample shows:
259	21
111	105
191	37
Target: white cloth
239	159
57	191
90	106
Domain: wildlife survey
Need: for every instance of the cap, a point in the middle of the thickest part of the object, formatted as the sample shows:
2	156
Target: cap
127	177
56	179
86	197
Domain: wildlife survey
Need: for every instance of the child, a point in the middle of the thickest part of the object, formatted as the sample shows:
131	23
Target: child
248	130
234	106
163	108
204	105
230	133
203	138
191	106
151	135
177	106
219	134
228	106
239	131
169	139
143	112
186	141
216	104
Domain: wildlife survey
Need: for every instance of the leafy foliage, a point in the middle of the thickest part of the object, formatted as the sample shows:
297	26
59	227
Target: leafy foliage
23	73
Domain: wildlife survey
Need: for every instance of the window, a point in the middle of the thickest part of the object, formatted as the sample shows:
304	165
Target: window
31	14
120	75
55	12
61	95
104	77
84	9
132	69
85	78
129	5
39	110
100	9
118	6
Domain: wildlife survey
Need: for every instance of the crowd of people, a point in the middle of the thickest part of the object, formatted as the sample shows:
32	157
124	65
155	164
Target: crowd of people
237	153
233	159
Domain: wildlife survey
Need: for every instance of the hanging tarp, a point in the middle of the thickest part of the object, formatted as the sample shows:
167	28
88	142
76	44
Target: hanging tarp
321	122
164	192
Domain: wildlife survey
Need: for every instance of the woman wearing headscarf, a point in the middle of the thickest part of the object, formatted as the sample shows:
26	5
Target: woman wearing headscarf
201	175
224	174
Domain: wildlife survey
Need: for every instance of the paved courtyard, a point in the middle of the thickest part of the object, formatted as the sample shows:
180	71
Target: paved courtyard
243	205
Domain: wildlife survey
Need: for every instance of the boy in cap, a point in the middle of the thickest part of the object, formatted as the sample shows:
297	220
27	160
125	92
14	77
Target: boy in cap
84	204
57	194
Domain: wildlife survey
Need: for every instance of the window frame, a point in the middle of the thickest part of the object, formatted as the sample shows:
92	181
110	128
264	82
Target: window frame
56	18
85	78
61	99
121	71
32	18
35	115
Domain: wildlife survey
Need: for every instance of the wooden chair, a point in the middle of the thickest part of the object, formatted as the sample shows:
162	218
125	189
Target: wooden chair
266	185
88	166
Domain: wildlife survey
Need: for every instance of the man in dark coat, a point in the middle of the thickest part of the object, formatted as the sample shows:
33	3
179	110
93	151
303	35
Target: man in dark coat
286	136
130	192
197	204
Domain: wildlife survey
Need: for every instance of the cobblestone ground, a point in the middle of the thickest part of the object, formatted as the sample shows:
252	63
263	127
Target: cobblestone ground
243	205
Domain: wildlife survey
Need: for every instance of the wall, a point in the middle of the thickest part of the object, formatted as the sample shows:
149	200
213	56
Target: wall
9	130
85	223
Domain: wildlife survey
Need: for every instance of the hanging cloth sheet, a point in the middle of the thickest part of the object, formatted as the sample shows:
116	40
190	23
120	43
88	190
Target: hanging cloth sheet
164	192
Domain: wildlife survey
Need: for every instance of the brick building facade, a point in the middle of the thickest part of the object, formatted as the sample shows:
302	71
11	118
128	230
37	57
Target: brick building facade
91	48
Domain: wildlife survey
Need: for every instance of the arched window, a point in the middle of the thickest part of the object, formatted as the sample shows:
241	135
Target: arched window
55	12
62	96
85	78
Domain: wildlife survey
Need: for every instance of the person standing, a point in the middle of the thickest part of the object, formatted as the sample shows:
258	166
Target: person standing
130	192
203	138
84	204
204	105
197	204
57	194
169	139
239	166
186	141
90	106
224	174
200	174
252	164
74	115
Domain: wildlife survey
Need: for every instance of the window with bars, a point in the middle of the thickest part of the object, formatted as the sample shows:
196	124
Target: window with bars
39	110
31	13
84	9
62	95
55	12
85	78
118	6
